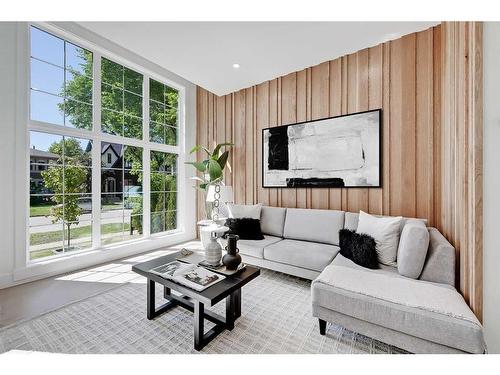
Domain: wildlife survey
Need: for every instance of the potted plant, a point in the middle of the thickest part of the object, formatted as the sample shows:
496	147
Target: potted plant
211	169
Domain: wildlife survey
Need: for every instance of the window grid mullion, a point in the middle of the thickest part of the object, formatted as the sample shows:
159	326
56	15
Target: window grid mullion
146	161
96	153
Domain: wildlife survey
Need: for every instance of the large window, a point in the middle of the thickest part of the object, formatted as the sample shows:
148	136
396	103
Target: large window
60	194
61	81
121	100
163	113
163	191
69	211
121	192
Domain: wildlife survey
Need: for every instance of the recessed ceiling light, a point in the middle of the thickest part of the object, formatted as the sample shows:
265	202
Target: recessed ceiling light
236	66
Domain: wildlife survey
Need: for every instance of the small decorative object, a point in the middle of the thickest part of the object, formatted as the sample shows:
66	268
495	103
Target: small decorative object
212	171
207	232
232	259
342	151
213	251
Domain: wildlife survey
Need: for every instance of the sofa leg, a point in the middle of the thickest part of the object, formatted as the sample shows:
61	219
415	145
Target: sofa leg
322	327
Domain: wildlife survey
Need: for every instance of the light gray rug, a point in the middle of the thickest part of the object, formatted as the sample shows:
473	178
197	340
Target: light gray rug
276	318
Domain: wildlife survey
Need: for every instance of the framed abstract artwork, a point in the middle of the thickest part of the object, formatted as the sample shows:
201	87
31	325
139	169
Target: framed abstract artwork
342	151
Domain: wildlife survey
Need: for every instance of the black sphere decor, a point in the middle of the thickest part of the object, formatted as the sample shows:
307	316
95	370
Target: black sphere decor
232	259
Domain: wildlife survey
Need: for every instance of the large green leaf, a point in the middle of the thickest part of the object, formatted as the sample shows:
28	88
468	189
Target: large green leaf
199	166
215	153
198	148
222	160
214	170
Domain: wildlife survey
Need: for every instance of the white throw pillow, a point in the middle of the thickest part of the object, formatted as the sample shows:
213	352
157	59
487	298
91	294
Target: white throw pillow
238	211
385	231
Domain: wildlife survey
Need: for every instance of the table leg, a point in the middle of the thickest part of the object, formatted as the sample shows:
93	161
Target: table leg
151	300
237	305
166	292
230	306
198	325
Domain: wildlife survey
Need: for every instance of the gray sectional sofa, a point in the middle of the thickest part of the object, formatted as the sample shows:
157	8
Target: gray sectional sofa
424	315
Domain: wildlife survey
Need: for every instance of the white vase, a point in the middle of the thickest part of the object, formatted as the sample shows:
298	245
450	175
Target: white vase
213	251
204	237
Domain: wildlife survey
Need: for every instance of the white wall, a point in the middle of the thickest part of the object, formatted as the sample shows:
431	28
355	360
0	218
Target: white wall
491	292
7	141
13	143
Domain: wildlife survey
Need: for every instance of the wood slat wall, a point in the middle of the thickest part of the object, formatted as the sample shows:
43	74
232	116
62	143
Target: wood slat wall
431	133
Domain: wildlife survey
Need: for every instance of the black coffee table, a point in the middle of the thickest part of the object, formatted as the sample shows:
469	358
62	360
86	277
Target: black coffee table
194	301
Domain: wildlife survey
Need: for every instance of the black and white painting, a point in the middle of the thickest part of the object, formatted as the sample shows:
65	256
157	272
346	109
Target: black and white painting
340	151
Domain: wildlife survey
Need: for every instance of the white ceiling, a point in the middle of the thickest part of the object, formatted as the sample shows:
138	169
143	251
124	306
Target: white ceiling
204	52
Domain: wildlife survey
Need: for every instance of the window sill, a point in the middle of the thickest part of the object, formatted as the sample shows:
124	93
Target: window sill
36	270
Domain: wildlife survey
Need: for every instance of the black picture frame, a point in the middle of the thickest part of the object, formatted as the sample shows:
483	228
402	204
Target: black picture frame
380	185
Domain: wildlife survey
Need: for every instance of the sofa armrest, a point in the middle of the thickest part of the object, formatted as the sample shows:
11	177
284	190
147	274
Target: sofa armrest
439	265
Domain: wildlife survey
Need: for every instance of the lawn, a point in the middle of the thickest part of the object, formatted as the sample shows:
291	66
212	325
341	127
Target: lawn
40	210
79	232
44	209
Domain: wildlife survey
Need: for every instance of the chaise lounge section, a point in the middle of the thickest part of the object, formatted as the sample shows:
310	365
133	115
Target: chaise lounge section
423	315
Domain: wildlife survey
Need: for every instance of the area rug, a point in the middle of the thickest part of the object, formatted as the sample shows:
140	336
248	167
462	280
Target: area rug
276	318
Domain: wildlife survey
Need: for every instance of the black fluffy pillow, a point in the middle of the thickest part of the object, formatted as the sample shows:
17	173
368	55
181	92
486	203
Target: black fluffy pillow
245	228
360	248
345	241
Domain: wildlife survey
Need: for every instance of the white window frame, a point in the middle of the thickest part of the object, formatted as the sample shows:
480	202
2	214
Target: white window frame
97	137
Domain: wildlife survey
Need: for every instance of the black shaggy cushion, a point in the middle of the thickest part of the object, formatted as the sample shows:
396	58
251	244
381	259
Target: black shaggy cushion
245	228
359	247
345	238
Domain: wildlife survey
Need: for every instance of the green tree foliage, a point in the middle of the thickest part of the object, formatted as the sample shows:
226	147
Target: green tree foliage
67	182
79	92
121	114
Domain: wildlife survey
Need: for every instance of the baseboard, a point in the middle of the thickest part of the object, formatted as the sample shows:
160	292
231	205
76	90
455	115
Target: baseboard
6	279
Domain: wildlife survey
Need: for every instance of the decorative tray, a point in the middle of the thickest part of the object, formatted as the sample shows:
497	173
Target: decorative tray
192	257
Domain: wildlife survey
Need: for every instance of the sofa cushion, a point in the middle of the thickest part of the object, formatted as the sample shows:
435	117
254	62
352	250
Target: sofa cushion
311	255
352	218
239	211
313	225
254	248
245	228
439	265
434	312
412	249
272	220
385	231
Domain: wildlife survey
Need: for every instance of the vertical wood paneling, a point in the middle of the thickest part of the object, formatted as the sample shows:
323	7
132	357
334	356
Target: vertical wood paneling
301	117
273	121
228	117
262	118
357	100
460	200
428	85
289	116
375	100
386	133
239	147
335	109
402	137
320	108
424	126
249	147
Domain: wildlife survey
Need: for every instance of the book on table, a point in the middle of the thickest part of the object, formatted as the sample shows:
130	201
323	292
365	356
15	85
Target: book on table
190	275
